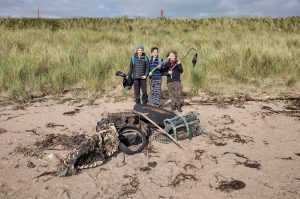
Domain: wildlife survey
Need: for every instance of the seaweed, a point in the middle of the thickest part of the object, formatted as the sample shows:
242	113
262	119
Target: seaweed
71	113
29	152
68	142
228	186
199	153
52	125
2	130
150	165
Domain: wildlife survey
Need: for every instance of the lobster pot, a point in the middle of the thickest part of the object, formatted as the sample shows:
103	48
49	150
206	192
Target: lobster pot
182	127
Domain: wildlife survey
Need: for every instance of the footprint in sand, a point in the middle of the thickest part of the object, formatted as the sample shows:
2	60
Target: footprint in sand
223	120
189	167
5	190
245	161
183	177
130	188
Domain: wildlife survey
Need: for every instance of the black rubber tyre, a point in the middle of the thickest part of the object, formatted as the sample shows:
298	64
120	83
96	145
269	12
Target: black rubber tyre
139	139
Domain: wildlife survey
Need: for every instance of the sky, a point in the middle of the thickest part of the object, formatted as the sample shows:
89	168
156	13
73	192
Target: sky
149	8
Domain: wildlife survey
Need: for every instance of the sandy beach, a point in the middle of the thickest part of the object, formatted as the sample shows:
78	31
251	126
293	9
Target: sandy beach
255	154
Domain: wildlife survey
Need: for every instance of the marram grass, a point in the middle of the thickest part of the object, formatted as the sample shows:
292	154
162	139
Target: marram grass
39	56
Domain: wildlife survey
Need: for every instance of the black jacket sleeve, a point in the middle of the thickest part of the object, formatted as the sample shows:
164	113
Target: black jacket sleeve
165	68
180	68
147	68
130	69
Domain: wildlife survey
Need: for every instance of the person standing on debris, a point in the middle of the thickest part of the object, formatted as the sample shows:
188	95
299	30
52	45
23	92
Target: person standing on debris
155	75
139	70
174	70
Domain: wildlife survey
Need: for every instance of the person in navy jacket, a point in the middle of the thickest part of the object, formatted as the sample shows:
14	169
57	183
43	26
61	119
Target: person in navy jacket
155	75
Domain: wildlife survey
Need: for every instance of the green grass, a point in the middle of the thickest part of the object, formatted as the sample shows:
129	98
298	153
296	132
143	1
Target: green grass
50	56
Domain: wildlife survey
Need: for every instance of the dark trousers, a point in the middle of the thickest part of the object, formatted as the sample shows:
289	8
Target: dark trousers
140	84
175	90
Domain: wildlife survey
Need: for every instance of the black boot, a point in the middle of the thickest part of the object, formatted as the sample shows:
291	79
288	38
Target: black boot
179	108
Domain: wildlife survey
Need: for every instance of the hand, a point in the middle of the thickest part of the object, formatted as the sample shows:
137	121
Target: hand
159	66
144	77
178	62
150	73
127	77
170	72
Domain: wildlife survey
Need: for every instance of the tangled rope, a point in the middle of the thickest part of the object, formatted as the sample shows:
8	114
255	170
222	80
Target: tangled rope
93	152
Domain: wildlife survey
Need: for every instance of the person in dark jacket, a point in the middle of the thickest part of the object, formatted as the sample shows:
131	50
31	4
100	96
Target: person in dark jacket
174	70
155	75
139	70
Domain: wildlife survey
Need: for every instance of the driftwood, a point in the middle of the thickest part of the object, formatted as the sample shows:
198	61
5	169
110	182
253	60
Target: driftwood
159	128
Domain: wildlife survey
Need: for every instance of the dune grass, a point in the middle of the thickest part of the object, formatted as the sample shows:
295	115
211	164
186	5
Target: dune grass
50	56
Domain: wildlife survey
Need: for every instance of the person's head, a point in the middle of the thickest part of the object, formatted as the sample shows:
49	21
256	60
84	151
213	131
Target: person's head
172	55
154	51
139	49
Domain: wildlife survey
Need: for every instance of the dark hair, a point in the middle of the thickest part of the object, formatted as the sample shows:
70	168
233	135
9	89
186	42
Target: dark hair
172	51
154	48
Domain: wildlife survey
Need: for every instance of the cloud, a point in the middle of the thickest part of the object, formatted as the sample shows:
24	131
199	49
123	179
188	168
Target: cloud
103	7
134	8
